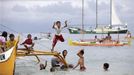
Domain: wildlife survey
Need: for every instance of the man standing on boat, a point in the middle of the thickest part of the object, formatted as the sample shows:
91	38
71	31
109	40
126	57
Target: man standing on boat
58	35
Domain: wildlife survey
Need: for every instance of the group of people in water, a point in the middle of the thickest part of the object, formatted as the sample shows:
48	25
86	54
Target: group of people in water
28	44
55	62
57	65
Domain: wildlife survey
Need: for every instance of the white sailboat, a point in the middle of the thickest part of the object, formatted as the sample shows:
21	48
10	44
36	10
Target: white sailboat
115	26
100	42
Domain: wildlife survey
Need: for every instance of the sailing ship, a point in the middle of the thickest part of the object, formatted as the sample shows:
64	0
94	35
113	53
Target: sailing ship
115	26
103	41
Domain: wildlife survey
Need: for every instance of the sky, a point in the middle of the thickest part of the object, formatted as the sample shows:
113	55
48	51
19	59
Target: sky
39	15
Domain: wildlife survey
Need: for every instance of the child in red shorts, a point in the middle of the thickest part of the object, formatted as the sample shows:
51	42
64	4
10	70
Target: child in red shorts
58	35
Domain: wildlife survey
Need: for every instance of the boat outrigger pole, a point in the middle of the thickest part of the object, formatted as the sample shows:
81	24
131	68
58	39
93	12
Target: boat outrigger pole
37	53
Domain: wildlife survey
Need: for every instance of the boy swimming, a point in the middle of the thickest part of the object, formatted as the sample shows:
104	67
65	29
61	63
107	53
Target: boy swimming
81	60
42	66
57	64
105	66
58	35
64	53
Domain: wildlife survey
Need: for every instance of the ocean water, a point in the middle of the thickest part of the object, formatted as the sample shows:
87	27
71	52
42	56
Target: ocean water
121	59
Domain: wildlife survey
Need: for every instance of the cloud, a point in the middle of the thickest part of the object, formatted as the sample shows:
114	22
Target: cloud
62	8
19	8
21	14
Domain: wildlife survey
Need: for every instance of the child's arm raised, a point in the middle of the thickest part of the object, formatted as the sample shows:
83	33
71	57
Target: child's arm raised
65	24
79	53
53	26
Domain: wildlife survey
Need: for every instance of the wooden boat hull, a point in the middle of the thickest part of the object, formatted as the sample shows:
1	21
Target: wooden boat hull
80	31
7	61
132	38
77	43
7	67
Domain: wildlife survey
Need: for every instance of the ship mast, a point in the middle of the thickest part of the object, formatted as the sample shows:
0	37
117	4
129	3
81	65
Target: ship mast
110	13
96	13
82	14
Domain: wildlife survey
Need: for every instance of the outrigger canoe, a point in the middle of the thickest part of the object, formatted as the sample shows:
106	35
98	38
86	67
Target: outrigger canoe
8	58
7	61
87	43
41	52
132	38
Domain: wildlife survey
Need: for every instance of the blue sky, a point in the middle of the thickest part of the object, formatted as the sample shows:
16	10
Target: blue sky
39	15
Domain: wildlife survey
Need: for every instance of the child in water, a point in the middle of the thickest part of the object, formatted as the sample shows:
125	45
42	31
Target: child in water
81	60
56	63
42	66
105	66
58	35
64	54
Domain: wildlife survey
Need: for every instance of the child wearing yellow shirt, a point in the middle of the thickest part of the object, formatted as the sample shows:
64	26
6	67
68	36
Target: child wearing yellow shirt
10	43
